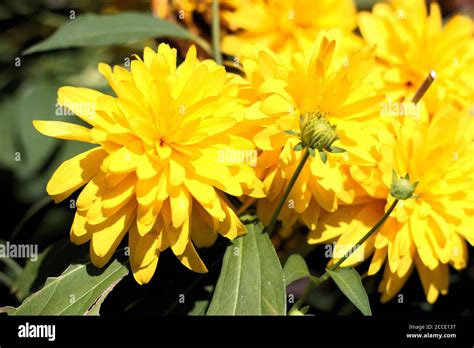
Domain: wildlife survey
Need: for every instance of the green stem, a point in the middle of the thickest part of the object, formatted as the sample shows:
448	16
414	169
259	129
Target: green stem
314	282
216	35
292	181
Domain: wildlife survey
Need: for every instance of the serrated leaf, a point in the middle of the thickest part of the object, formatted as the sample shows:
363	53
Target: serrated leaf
349	282
74	292
295	268
121	28
251	281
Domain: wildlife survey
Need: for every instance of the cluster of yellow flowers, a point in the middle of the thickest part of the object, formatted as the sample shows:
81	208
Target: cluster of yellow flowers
175	142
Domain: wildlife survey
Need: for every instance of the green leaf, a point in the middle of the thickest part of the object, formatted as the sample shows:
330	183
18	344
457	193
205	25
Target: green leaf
251	280
200	306
365	4
324	156
349	282
335	149
94	310
292	132
77	291
298	147
26	150
295	268
7	141
10	270
122	28
51	262
37	100
5	280
13	266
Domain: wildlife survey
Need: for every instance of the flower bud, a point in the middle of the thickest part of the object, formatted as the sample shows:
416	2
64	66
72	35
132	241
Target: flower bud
316	131
401	187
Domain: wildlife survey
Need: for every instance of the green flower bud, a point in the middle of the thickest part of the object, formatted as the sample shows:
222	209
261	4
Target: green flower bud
316	131
402	188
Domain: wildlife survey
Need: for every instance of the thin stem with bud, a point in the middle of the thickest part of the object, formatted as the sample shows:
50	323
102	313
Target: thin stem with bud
401	189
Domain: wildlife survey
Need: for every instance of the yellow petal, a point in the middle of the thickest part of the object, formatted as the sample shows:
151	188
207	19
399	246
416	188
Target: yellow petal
144	274
179	237
143	254
202	234
116	197
63	130
418	231
147	190
146	217
353	221
191	259
231	227
108	235
326	198
123	161
177	172
79	234
89	194
205	193
74	173
392	283
180	203
83	102
459	253
311	215
434	281
377	261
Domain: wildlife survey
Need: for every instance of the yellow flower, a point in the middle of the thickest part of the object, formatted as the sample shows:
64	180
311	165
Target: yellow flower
162	163
279	91
410	43
286	26
427	232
